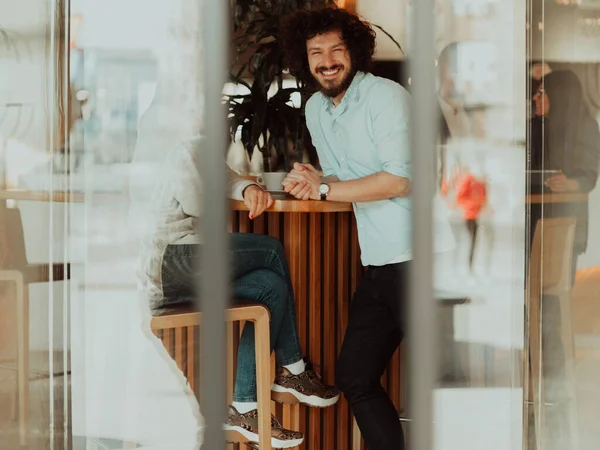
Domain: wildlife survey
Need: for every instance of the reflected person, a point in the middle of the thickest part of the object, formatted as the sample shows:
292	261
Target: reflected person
565	138
571	145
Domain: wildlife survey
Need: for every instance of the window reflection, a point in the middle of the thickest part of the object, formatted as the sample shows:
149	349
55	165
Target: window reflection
518	103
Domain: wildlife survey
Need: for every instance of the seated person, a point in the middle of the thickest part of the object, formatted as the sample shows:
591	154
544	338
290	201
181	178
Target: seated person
260	274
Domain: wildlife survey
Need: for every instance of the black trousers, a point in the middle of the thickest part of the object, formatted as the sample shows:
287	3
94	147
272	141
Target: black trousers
375	329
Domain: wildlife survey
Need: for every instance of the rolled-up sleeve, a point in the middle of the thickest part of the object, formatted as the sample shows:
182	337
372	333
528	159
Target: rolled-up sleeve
237	185
390	115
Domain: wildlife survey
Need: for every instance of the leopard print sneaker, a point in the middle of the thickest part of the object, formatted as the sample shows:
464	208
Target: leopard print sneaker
306	388
243	429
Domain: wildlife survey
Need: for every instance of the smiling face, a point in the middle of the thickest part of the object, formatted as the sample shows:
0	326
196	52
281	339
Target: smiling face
330	64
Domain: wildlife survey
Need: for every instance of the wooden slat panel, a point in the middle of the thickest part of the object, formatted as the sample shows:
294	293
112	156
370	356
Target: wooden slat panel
233	223
274	222
357	440
343	428
355	268
315	315
167	341
192	355
384	379
259	225
402	402
274	225
329	321
296	245
179	344
394	379
243	223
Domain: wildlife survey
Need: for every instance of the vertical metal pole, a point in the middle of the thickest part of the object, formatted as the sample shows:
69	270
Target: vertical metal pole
422	328
54	101
66	325
214	282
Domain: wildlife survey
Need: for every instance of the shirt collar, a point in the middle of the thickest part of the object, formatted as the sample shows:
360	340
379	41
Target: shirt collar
352	93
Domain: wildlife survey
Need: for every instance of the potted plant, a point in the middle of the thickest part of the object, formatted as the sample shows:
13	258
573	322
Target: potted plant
269	116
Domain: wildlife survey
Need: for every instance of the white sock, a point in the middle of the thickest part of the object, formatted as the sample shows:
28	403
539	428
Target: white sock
244	407
296	368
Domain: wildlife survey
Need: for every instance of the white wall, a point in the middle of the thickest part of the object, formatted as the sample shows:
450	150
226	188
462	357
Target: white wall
563	37
392	17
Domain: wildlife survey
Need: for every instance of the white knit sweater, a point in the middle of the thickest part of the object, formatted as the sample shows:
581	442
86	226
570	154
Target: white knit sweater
177	206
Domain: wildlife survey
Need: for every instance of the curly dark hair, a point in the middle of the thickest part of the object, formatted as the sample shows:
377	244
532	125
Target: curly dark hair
302	25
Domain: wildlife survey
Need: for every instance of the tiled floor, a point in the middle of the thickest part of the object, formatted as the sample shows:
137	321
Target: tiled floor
41	433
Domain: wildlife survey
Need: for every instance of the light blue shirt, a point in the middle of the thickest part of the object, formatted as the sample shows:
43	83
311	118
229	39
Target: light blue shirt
365	134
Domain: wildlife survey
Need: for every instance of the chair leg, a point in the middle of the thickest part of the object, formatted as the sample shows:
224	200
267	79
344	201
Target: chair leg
23	360
356	436
263	380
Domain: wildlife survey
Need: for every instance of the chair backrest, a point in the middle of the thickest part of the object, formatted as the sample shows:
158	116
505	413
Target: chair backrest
12	240
551	254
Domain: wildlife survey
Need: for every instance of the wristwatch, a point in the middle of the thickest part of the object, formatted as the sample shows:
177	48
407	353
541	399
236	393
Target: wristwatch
323	190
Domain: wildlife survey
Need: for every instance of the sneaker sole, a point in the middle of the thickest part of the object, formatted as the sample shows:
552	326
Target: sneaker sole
241	436
288	396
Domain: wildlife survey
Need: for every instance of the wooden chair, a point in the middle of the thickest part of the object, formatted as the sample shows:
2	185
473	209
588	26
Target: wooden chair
177	330
549	274
15	269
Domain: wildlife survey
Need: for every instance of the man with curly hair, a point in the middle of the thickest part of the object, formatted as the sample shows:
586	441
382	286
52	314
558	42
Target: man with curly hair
359	125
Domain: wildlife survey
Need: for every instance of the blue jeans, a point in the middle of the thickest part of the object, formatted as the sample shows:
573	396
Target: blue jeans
260	275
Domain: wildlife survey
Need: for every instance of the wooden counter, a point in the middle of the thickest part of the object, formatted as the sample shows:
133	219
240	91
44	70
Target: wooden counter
557	198
321	244
299	206
287	205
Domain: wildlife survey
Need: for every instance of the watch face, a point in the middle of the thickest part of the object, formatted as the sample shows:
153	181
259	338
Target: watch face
323	189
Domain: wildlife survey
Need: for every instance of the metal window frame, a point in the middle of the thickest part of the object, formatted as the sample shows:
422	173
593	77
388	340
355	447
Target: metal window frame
422	366
214	257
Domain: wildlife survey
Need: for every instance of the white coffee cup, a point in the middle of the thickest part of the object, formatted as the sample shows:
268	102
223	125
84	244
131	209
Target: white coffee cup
272	181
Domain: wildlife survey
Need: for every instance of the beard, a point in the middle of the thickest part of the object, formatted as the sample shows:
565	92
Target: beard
333	90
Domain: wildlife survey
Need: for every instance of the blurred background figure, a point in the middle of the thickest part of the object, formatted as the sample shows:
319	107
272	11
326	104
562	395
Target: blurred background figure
571	145
565	140
471	196
466	188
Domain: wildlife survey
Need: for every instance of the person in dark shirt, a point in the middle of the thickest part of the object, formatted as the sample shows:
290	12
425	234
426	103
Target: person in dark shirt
565	137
